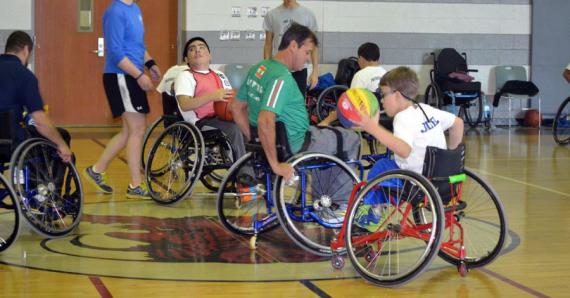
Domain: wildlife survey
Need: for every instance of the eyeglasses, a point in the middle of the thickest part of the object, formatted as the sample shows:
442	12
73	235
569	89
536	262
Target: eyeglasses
382	95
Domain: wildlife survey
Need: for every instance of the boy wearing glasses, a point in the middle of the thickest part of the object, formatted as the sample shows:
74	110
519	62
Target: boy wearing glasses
416	126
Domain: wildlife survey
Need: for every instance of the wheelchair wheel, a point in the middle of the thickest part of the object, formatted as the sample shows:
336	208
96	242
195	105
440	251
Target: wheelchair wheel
309	208
175	162
152	132
49	190
392	249
247	210
326	102
9	215
432	96
219	152
481	216
561	124
473	110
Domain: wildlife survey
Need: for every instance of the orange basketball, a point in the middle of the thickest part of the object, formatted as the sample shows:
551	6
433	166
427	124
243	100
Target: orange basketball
532	118
222	109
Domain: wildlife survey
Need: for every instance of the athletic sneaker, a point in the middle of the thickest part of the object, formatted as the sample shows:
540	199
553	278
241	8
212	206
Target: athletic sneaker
371	217
99	180
139	192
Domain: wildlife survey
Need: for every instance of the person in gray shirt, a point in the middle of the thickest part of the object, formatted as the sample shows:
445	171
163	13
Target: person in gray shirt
276	22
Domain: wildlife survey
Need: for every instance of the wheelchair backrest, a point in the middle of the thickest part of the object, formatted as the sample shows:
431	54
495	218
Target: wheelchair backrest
448	61
346	70
170	108
281	142
440	164
507	73
7	134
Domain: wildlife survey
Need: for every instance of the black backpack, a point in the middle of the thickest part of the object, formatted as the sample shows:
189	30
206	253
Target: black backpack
347	67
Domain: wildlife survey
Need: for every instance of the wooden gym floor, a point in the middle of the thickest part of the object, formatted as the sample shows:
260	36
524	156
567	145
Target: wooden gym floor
136	248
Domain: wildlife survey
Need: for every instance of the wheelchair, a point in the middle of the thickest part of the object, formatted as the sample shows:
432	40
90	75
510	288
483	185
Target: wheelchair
450	85
9	215
43	189
304	206
561	124
181	154
449	211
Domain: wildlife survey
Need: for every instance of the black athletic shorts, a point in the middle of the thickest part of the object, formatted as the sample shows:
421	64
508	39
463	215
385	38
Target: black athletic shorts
124	94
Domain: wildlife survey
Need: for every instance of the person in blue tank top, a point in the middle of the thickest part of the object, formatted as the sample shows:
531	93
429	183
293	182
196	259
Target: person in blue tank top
125	85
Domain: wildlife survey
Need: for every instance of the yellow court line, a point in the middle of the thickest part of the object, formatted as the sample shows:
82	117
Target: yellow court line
522	182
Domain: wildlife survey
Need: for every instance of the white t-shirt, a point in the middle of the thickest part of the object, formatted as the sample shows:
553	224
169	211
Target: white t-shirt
185	84
278	20
368	77
412	127
169	77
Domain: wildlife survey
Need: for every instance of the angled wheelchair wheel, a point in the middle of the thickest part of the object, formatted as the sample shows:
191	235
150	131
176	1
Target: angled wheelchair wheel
49	190
473	110
383	241
152	132
326	102
9	214
247	210
433	97
175	163
480	216
561	124
219	157
311	208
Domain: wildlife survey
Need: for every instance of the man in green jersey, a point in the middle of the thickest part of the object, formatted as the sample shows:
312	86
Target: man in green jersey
270	94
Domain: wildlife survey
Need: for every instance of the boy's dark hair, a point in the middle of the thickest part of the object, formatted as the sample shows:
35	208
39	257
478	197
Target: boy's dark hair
402	79
369	51
17	41
191	40
298	33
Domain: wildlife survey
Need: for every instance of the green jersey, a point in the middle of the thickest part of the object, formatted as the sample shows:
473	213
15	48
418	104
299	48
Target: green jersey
270	86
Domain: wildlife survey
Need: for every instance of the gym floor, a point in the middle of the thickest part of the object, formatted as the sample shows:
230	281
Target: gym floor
136	248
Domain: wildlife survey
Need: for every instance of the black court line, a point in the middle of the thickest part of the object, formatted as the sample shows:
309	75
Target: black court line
100	286
311	286
513	283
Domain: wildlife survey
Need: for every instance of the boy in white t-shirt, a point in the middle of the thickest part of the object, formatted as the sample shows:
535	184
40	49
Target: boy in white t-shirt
370	71
416	126
198	87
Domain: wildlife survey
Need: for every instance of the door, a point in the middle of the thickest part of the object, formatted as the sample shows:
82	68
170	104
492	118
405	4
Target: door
68	66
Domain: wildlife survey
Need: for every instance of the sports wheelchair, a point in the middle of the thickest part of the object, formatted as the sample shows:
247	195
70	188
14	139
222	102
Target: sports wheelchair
43	189
451	85
178	153
450	210
305	206
561	124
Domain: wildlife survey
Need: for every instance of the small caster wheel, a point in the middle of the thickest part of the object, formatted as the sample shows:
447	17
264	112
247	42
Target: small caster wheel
253	242
462	268
337	262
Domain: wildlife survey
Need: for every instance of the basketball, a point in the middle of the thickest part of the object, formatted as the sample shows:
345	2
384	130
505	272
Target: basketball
351	102
532	118
222	110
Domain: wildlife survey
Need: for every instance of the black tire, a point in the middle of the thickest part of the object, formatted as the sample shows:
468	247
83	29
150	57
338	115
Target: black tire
304	205
239	215
175	163
326	102
50	194
482	219
396	250
9	215
152	132
474	111
561	124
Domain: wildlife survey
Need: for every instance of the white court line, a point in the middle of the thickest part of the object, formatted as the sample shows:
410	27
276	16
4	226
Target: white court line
522	182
